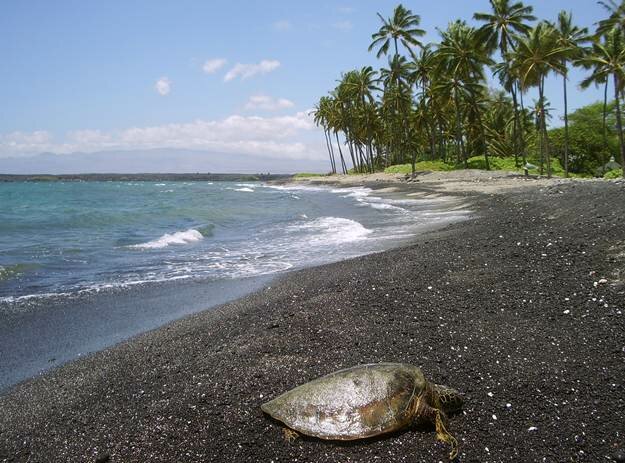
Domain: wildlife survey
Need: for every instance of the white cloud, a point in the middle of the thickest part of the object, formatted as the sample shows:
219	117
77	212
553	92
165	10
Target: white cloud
245	71
283	25
213	65
343	25
292	136
87	136
268	103
25	142
163	86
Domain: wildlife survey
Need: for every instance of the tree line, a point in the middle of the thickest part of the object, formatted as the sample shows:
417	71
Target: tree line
432	101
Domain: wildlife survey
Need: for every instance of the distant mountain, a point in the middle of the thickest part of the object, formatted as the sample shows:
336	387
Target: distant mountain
154	161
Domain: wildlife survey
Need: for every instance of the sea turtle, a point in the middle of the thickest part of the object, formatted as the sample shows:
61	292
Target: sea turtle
366	401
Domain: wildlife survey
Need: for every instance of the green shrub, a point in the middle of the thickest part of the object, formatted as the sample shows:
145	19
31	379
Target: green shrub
478	162
306	174
419	167
616	173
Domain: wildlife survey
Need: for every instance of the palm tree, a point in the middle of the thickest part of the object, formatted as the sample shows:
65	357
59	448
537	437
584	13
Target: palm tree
509	80
501	28
361	87
402	27
342	119
571	38
335	124
422	75
536	56
616	19
396	101
499	116
320	117
461	58
504	23
607	60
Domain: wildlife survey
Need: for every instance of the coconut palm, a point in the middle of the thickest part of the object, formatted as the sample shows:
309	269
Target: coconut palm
504	23
509	80
361	85
607	60
616	18
403	27
396	101
461	57
536	56
571	38
320	118
422	75
502	27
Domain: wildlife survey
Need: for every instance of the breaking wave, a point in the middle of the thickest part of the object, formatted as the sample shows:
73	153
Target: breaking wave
178	238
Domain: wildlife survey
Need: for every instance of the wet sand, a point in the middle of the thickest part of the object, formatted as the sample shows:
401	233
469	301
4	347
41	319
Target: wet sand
522	308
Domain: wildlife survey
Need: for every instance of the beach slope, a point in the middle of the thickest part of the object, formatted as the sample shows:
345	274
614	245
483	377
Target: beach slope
522	308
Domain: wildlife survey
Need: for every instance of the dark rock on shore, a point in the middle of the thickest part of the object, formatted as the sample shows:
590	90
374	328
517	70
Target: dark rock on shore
521	308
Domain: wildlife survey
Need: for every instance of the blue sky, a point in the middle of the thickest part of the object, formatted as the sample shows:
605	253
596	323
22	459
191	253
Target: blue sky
82	76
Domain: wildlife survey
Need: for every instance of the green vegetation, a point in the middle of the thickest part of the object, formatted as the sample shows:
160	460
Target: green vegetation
306	175
477	162
419	166
616	173
432	102
43	178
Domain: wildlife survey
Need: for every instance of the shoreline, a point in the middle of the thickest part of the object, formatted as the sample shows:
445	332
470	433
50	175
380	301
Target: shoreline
466	303
37	339
459	182
55	329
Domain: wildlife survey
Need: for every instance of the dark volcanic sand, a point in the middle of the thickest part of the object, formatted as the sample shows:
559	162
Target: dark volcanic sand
522	325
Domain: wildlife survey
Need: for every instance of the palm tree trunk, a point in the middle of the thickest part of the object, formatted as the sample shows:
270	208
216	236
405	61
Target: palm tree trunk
361	157
332	150
619	121
484	142
543	122
351	152
338	143
515	125
459	146
328	144
522	128
605	124
566	125
539	134
433	141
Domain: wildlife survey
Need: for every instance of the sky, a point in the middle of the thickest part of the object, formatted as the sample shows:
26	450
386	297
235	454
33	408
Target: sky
228	77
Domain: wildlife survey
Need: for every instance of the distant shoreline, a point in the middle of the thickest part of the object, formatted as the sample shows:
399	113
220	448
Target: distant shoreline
146	177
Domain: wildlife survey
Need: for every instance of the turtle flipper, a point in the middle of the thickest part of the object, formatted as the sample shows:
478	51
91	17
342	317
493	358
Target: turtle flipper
443	435
290	435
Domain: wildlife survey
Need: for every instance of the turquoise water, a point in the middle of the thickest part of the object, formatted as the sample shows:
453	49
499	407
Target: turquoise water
65	238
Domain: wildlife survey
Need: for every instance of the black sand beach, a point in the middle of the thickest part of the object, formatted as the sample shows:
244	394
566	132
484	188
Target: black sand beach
522	308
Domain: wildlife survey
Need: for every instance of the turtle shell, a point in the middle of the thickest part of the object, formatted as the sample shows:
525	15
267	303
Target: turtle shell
355	403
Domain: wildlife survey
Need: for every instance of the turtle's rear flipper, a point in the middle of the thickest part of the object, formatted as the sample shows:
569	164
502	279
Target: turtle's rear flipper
443	435
290	435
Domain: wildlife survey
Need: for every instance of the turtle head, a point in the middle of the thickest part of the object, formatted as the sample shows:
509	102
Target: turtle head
450	400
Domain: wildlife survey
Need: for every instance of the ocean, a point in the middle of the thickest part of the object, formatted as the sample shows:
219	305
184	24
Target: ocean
135	255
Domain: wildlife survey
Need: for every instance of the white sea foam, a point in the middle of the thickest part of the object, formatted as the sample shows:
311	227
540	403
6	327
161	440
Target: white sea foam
245	189
355	192
331	230
384	206
297	188
182	237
